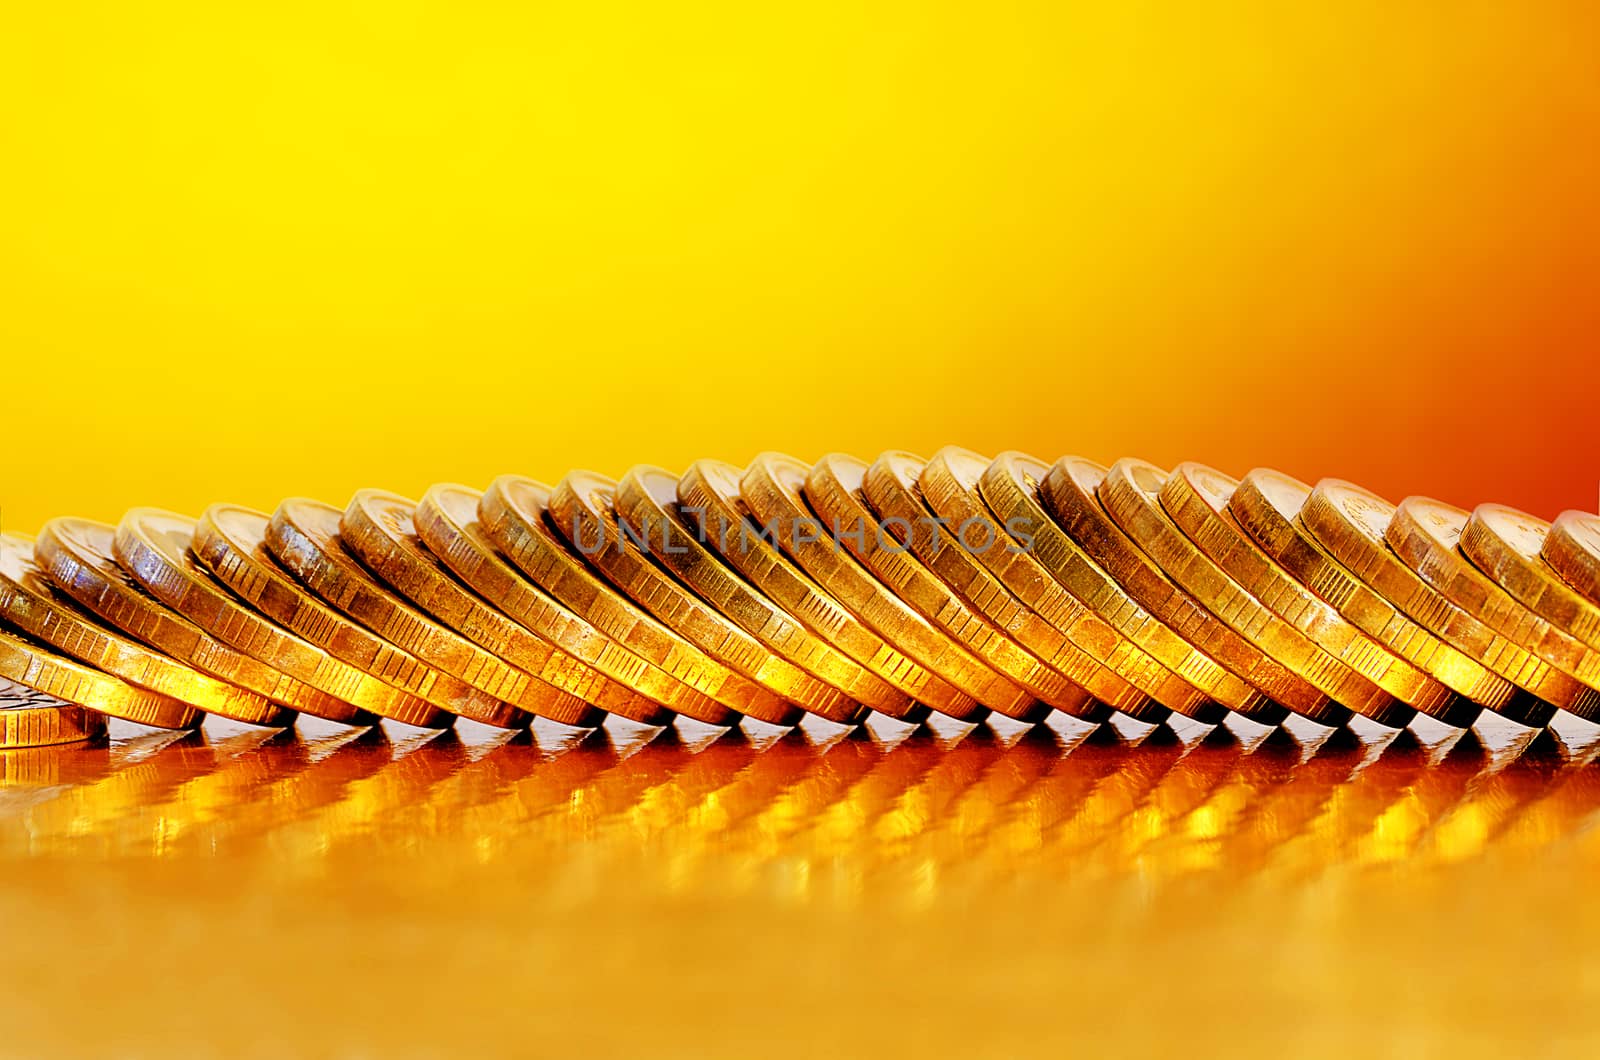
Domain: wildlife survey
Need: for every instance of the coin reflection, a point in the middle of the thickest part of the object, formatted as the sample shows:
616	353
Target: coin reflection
801	815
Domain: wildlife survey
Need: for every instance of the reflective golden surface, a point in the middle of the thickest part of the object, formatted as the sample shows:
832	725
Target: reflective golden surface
396	892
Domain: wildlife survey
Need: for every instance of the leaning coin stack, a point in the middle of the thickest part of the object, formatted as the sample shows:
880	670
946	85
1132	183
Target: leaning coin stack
958	585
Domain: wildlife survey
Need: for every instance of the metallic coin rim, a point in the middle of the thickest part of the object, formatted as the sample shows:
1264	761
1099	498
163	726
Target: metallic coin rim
1212	526
183	584
1008	486
406	564
778	504
72	565
958	500
490	691
44	615
1373	561
1138	510
1287	541
43	670
584	501
839	503
781	580
533	546
1078	510
462	546
892	489
1526	577
24	727
1570	556
244	565
704	573
1440	563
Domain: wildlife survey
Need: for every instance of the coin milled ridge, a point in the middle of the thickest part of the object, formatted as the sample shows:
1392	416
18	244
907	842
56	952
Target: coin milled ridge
833	489
1267	505
892	487
1197	498
513	515
583	508
975	588
1350	523
647	500
232	543
708	493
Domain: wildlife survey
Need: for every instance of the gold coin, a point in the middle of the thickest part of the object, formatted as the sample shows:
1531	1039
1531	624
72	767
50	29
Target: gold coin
231	542
303	535
512	515
583	510
380	529
31	604
647	500
952	552
1424	533
1267	505
1058	577
78	556
833	489
1505	544
1068	491
999	573
770	489
153	547
1131	494
446	522
708	493
1572	549
35	666
1349	523
1197	497
30	718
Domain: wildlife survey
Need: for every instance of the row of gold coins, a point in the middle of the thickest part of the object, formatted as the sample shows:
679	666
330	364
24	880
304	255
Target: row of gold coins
959	584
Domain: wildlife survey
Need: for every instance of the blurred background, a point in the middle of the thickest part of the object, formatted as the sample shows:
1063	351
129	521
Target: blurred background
304	248
250	251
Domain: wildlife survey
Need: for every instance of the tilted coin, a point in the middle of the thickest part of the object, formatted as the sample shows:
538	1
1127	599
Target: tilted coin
30	718
892	487
947	486
770	489
513	515
582	508
380	529
1267	506
708	494
1069	492
647	500
1572	549
1424	533
1057	577
231	543
1350	523
40	668
78	556
31	604
153	546
1505	544
1131	494
303	535
1197	497
833	489
446	521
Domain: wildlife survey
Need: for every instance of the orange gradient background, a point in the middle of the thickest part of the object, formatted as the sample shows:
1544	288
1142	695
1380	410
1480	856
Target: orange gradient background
304	248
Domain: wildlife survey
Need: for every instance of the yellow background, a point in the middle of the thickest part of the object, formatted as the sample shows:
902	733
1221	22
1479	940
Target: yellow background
253	251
